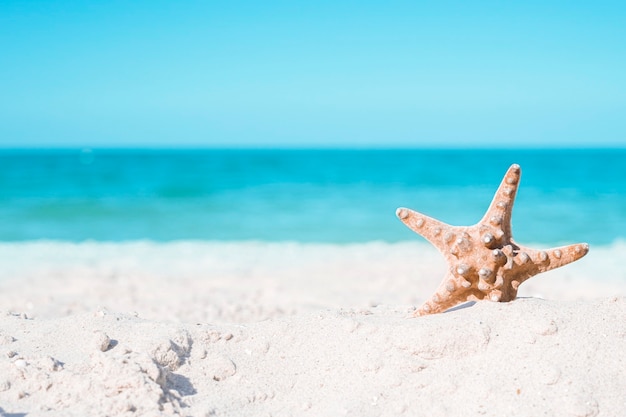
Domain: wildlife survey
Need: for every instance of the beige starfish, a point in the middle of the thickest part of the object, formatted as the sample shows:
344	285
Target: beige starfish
483	260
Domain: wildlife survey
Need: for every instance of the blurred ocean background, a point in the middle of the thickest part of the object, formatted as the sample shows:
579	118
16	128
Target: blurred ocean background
327	196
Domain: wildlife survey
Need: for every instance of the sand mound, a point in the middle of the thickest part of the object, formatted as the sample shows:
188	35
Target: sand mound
254	329
528	357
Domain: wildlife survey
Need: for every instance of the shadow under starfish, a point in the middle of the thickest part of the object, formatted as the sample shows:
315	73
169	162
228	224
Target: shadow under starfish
484	262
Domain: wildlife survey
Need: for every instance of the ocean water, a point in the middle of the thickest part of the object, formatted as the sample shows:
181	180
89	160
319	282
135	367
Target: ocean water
334	196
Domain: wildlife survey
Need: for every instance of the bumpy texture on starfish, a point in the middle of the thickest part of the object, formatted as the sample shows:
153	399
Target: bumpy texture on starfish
483	260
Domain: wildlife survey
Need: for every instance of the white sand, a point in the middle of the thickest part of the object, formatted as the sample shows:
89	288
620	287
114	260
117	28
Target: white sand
257	329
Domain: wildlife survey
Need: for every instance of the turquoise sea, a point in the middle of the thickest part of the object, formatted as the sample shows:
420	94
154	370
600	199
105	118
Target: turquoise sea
334	196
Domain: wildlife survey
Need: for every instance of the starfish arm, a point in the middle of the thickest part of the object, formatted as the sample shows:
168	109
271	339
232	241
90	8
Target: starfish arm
501	207
430	229
451	292
546	260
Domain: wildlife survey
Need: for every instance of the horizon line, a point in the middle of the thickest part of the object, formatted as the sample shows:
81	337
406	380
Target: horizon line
382	147
77	148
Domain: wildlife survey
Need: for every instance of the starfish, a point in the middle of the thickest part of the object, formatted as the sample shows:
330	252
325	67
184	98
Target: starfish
484	262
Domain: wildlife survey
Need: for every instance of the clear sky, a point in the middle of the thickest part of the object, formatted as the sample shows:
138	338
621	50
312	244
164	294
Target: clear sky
319	73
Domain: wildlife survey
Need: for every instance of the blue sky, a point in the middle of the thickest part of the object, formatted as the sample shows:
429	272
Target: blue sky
325	73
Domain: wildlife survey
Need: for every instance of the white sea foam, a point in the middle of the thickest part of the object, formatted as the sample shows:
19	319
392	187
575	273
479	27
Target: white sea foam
302	276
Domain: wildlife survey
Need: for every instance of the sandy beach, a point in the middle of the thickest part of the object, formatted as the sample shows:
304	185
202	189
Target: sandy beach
312	209
254	329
